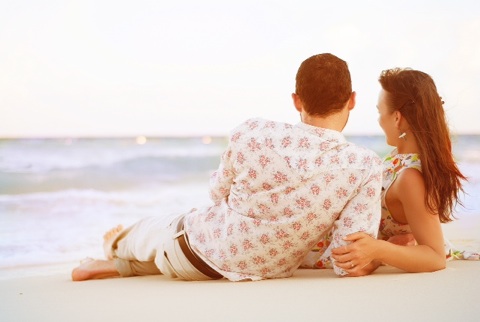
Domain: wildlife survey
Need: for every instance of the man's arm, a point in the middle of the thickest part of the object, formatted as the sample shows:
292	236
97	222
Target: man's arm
222	179
361	214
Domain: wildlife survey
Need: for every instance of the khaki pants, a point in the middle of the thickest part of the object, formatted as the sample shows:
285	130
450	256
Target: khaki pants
150	247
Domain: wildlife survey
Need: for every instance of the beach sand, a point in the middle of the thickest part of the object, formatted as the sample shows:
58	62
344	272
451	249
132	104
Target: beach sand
311	295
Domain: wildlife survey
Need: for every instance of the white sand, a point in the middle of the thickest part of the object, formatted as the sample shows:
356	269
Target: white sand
311	295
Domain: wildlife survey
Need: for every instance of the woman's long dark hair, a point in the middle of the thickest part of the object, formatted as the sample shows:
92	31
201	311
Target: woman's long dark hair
415	95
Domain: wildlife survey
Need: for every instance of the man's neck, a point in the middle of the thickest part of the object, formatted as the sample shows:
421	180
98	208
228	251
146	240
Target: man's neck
335	121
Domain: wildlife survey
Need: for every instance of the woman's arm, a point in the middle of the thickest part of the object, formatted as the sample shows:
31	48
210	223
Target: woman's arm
429	253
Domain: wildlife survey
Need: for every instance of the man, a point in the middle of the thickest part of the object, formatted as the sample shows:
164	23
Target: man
278	190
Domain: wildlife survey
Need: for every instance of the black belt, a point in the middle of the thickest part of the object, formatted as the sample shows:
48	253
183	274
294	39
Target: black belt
194	259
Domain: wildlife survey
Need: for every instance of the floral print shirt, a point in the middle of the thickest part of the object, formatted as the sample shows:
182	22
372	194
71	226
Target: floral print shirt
278	191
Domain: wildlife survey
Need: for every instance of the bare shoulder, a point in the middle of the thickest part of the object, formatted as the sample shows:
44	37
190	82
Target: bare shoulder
411	184
410	177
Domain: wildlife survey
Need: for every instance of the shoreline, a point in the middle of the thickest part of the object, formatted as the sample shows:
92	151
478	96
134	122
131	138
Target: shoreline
463	234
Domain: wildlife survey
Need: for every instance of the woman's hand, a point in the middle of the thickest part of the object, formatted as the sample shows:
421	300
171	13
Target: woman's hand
358	258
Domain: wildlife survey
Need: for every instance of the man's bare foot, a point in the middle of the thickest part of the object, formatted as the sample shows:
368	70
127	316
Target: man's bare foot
95	269
108	240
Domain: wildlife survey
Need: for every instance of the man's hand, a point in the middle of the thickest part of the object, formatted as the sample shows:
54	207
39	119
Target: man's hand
357	258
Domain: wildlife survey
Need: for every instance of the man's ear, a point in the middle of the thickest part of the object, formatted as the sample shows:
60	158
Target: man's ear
297	102
352	101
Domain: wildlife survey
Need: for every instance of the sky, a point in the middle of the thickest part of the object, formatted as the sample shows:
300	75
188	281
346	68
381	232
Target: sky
103	68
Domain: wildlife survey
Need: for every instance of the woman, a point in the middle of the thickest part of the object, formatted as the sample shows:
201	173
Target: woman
421	181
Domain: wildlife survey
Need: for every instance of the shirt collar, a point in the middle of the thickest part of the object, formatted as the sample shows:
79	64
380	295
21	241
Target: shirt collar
326	134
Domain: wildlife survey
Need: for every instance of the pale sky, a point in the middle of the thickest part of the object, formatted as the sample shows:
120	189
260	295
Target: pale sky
129	68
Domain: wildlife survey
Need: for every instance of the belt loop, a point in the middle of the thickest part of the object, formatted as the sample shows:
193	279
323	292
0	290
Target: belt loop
179	230
178	234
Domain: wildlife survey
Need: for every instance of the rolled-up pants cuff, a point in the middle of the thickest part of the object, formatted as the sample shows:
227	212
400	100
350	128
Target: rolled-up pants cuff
128	268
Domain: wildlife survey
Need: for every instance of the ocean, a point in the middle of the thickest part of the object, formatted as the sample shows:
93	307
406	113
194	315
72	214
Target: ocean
59	196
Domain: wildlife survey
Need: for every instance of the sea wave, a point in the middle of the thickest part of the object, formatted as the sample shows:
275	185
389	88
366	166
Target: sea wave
54	227
28	166
42	156
92	201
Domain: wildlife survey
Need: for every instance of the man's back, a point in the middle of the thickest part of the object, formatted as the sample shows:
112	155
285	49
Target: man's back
278	190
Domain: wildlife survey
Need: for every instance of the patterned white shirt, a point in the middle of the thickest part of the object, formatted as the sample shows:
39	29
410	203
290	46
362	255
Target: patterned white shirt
278	190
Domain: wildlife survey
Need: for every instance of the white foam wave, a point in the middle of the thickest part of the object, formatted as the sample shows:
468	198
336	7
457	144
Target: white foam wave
55	227
27	157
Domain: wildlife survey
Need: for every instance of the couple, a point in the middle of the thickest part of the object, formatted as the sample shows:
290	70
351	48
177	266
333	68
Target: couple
282	189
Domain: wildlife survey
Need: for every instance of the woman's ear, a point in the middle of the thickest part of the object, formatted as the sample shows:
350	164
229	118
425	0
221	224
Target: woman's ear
398	118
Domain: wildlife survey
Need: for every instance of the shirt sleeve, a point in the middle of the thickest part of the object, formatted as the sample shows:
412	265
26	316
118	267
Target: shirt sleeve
222	179
361	214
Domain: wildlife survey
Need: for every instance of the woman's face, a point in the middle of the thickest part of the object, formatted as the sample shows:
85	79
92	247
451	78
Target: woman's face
386	119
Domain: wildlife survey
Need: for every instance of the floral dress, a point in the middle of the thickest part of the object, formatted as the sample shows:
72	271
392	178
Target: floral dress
394	164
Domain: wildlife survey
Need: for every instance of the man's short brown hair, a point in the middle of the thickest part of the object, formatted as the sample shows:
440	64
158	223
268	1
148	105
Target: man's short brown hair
324	85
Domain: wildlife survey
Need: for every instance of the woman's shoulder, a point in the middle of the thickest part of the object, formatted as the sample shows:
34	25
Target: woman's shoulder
410	182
